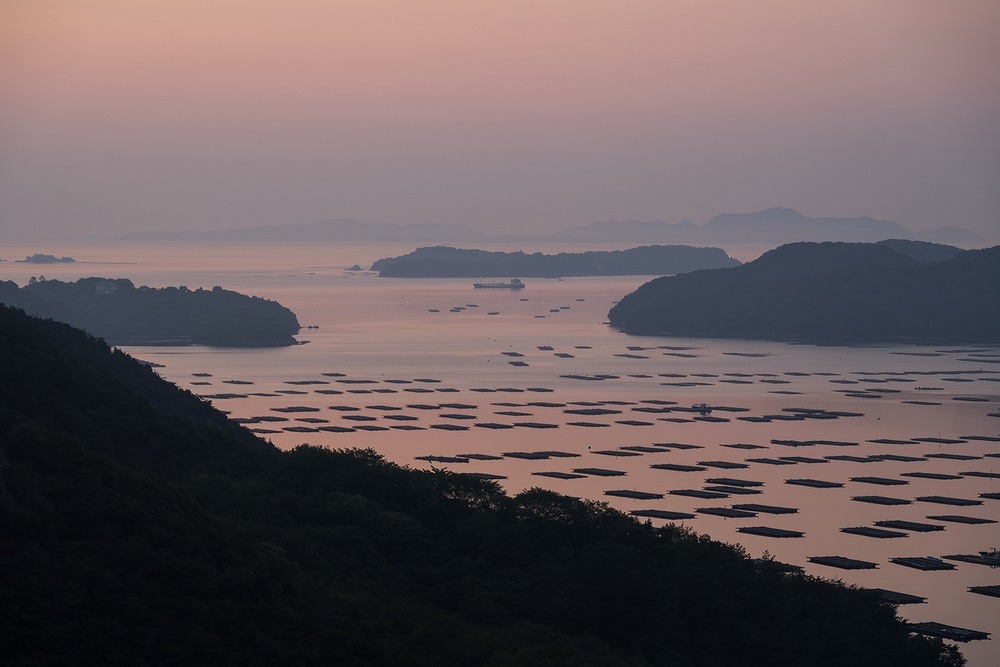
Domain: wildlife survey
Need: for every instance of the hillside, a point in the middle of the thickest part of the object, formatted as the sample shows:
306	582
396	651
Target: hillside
836	292
140	527
123	314
445	262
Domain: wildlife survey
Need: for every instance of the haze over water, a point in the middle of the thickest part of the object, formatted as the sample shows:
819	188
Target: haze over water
381	335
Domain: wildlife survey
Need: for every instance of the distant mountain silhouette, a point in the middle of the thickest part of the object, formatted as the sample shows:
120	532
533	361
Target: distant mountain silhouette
322	231
445	262
771	226
844	292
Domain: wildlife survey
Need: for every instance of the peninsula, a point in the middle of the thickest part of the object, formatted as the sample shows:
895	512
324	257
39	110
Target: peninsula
123	314
830	292
447	262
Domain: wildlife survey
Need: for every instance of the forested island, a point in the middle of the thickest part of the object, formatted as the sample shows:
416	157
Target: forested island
447	262
892	291
141	526
123	314
41	258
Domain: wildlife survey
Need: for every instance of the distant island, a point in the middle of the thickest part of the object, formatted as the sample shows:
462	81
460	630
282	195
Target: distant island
123	314
446	262
834	292
39	258
142	526
771	226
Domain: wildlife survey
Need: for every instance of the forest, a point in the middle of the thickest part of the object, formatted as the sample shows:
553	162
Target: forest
141	526
123	314
893	291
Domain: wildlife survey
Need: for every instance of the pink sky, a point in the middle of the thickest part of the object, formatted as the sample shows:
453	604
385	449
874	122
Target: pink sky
121	115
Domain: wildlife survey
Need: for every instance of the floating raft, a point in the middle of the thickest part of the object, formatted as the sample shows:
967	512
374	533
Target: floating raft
993	591
662	514
934	629
698	493
615	452
958	518
535	425
814	483
946	500
981	473
766	531
874	532
733	490
881	500
433	458
726	512
975	559
893	597
766	509
676	445
600	472
843	562
559	475
930	475
926	563
481	457
729	465
884	481
678	467
802	459
773	462
730	481
914	526
635	495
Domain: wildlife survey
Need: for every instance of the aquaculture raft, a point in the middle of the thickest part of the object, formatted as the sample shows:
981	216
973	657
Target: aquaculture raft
923	563
843	562
952	632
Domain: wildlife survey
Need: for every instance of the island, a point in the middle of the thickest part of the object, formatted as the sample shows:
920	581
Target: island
448	262
123	314
39	258
140	525
828	292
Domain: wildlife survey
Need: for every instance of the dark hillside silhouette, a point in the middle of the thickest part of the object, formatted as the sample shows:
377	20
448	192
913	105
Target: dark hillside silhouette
140	527
834	292
123	314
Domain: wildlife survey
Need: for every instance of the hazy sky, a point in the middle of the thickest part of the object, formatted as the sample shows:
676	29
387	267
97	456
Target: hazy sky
507	115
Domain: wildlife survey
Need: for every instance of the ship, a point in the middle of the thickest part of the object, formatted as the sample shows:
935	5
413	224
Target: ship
513	283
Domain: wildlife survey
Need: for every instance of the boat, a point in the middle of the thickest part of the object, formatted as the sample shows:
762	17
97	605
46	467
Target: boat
513	283
991	557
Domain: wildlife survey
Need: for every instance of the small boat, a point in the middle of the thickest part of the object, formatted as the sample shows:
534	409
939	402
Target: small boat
513	283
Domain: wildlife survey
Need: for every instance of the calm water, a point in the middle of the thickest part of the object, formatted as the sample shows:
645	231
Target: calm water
388	353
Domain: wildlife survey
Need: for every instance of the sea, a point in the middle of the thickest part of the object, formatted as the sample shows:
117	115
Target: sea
533	388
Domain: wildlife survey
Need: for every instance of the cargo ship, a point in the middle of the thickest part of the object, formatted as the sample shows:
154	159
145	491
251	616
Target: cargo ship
513	283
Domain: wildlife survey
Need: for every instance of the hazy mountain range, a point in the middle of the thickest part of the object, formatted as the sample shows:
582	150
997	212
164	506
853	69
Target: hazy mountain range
774	225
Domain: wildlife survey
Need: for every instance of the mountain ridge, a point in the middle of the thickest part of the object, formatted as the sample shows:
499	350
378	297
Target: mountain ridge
773	225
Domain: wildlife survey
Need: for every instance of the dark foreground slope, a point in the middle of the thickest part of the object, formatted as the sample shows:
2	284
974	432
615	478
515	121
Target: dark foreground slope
123	314
445	262
846	292
139	527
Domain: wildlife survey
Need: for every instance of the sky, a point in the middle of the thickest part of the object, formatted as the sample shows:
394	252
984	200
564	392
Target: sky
510	116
